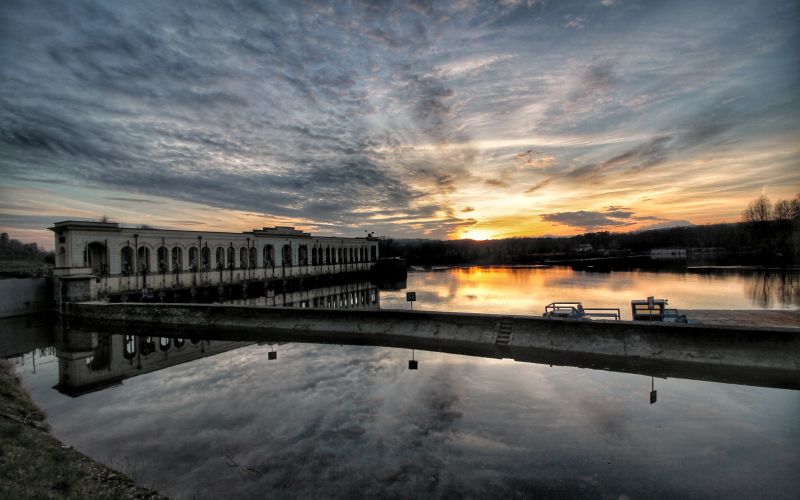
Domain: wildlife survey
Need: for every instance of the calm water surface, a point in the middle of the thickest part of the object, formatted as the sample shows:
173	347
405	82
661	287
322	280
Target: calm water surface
353	421
527	290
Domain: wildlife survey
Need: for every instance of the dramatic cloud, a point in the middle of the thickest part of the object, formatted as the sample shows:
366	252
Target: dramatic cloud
587	220
395	116
609	218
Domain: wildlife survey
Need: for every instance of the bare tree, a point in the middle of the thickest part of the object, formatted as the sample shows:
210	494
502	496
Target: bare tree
784	210
104	218
759	210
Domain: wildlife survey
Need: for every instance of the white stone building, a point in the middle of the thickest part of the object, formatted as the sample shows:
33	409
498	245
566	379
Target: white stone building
120	259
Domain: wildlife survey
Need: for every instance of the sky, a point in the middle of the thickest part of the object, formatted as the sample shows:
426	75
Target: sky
407	119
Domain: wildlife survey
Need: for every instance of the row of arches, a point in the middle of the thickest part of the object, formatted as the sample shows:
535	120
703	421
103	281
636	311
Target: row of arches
134	344
194	258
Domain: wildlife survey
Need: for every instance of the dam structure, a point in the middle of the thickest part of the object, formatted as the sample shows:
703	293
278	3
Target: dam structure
283	284
96	260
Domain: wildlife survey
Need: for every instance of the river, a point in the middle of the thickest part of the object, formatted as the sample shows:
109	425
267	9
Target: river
216	419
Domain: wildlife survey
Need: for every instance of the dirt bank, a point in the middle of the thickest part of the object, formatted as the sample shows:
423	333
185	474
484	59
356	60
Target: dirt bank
34	464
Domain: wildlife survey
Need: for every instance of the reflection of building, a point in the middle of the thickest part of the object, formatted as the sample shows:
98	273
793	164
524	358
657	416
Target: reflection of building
89	361
668	253
348	296
102	257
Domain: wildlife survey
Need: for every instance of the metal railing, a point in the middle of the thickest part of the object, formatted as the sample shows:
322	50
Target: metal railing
575	310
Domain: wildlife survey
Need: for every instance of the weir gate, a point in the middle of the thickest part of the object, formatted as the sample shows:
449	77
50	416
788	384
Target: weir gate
102	260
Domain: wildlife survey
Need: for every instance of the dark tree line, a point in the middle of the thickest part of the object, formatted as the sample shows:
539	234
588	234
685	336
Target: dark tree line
12	249
769	234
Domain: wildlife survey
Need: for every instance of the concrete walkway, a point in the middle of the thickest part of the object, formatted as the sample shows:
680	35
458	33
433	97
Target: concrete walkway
754	318
741	346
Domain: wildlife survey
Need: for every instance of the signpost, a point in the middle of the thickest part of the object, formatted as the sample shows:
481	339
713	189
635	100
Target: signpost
653	392
411	297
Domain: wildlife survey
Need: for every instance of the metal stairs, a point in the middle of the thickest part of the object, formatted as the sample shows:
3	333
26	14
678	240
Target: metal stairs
503	333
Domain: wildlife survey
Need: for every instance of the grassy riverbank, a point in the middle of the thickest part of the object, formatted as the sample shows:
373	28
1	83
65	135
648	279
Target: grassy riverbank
35	465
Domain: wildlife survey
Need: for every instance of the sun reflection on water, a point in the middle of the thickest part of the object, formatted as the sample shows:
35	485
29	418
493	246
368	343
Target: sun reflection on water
526	290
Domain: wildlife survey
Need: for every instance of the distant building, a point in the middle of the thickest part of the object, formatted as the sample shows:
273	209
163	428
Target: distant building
667	253
584	248
705	251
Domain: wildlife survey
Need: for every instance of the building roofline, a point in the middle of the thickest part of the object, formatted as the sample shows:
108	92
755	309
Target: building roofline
276	232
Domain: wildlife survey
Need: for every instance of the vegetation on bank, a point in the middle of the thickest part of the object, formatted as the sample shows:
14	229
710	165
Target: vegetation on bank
13	249
35	465
768	234
21	260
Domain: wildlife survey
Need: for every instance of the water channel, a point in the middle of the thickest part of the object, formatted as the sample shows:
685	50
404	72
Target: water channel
207	418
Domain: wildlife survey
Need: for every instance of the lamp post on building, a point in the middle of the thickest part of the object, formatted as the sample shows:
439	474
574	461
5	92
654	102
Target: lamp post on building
199	259
207	264
136	258
162	261
200	255
231	259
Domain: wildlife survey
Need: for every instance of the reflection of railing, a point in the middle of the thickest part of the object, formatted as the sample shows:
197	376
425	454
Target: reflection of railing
575	310
344	296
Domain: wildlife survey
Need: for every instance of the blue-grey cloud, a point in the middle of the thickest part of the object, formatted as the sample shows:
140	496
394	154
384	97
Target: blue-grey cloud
377	113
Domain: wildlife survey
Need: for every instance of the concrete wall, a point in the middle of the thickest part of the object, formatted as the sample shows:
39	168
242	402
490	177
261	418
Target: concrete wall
23	296
765	348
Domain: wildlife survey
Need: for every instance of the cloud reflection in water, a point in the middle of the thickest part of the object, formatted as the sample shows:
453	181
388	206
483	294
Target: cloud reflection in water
352	421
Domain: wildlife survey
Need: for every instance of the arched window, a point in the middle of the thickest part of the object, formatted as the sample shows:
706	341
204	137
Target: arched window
177	259
327	255
205	258
231	258
193	259
253	257
126	265
243	258
286	255
269	256
96	258
129	347
163	343
338	255
161	256
313	256
220	258
178	343
147	346
373	253
302	255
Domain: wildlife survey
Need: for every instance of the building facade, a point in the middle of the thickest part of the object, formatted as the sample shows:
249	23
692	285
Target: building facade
123	259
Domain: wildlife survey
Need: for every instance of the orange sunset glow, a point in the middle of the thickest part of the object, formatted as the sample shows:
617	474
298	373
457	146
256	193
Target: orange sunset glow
479	120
